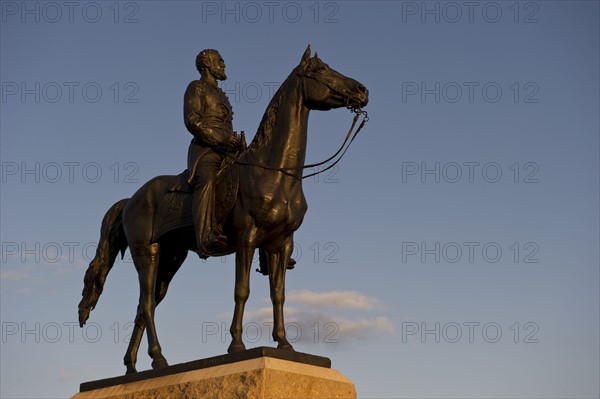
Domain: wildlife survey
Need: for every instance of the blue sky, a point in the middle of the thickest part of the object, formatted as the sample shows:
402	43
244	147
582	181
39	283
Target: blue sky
453	252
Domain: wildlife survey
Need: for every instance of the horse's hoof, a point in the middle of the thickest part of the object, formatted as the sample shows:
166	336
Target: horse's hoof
159	363
286	347
235	348
291	264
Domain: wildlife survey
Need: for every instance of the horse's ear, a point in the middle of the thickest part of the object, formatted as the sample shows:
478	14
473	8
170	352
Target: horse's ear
306	56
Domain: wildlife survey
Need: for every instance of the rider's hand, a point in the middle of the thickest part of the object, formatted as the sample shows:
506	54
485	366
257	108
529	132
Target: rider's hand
233	142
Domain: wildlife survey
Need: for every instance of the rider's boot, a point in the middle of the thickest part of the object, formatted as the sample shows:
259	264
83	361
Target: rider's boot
209	238
215	243
264	268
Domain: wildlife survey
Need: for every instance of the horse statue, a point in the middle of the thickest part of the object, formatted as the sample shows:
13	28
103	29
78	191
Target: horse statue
260	200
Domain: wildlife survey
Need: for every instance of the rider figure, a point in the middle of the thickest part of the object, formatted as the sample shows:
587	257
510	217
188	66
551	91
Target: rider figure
208	117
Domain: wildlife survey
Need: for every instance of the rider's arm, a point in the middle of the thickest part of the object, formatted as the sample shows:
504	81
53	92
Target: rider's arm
192	109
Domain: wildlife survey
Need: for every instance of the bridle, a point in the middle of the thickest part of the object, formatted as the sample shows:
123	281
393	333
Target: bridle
348	140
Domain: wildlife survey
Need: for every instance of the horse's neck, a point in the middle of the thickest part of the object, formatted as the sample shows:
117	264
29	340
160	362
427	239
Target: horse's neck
286	147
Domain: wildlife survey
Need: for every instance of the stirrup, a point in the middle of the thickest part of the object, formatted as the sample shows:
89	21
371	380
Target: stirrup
265	272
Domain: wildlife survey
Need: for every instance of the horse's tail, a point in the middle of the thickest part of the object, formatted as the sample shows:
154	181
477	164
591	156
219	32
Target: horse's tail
112	241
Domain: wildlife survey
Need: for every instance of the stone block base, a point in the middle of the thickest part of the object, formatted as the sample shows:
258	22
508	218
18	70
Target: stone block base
262	377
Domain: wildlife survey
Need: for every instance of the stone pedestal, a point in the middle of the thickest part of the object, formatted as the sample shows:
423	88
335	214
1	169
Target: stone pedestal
261	373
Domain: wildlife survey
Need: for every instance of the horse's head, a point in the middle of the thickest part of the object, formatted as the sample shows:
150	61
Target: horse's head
325	88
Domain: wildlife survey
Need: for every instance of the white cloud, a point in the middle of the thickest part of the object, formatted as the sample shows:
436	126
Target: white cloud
365	328
10	275
306	323
315	327
262	314
64	375
333	299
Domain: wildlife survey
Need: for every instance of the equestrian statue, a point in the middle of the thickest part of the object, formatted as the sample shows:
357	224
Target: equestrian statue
232	198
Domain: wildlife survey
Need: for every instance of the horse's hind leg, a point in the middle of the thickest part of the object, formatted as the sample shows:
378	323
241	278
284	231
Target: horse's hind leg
169	264
145	258
134	343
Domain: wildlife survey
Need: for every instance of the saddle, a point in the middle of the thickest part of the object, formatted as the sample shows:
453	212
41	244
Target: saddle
175	210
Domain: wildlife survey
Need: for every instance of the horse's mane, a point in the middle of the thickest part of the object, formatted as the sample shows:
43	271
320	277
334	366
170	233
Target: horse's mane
266	126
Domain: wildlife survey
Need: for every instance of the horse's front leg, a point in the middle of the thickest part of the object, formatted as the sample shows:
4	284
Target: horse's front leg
277	266
243	262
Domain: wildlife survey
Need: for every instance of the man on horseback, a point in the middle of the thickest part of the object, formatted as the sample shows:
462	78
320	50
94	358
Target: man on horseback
208	117
268	207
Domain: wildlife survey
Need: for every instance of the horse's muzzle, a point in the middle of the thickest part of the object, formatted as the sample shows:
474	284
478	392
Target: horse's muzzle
361	99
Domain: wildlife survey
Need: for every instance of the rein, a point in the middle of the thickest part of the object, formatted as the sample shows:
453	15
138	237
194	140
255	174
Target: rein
286	171
358	112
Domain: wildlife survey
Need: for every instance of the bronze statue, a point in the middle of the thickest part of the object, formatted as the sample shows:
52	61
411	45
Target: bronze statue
258	200
208	117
